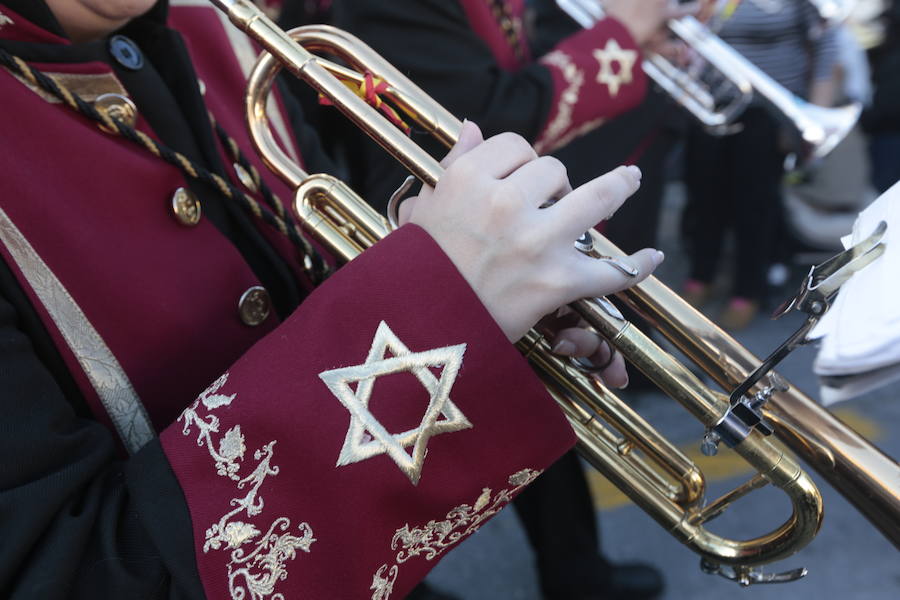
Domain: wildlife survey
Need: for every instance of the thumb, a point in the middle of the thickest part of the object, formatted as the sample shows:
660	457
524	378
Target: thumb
406	210
603	278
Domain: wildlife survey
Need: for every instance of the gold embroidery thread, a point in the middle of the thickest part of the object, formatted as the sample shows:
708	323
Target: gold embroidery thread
257	562
383	582
435	537
578	132
607	57
366	436
565	106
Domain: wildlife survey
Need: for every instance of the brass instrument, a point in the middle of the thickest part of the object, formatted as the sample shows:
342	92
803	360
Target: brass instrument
818	128
694	96
673	492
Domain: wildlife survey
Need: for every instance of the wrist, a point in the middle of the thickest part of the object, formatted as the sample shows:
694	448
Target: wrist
638	33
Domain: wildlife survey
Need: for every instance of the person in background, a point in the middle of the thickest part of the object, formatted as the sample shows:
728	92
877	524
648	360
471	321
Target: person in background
882	119
822	202
734	182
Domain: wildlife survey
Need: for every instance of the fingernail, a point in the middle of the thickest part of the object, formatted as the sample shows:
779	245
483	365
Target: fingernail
658	257
635	171
565	347
624	385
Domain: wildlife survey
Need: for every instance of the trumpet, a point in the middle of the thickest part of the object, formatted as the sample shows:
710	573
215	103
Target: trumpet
819	129
635	457
697	98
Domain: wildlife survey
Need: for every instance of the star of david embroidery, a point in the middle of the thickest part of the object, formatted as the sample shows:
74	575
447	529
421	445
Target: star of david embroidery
366	436
614	54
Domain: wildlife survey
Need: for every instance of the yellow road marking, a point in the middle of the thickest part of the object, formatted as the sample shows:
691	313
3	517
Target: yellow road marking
725	465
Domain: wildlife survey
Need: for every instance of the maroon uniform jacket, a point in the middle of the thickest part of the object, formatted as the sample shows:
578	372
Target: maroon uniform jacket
163	437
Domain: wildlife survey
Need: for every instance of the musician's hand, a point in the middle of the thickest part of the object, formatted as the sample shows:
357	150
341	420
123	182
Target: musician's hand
647	19
520	259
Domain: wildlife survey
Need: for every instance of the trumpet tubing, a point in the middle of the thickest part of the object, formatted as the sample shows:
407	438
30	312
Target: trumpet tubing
632	454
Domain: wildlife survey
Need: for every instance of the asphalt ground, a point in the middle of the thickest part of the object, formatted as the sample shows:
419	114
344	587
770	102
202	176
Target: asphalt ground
849	559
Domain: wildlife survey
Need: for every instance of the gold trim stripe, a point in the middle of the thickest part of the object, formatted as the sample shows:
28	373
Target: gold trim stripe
565	103
88	86
106	375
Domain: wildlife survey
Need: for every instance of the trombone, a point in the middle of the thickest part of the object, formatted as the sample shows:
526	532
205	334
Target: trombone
672	491
818	128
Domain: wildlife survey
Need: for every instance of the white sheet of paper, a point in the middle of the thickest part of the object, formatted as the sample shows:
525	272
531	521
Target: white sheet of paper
861	332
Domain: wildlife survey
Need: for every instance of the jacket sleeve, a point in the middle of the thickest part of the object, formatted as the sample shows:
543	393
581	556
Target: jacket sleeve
76	521
340	457
588	77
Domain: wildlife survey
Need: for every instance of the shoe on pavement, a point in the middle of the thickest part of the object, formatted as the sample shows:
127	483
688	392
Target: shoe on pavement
629	581
696	293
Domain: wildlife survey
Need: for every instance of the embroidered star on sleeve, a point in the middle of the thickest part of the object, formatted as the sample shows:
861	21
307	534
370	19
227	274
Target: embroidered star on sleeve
441	415
612	78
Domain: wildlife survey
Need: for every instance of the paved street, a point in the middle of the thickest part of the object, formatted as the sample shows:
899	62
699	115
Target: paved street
849	559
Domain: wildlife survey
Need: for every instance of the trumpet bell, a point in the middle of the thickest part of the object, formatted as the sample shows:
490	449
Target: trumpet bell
821	128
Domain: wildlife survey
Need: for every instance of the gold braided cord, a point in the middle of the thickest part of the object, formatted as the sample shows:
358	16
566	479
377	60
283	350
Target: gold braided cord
278	219
238	156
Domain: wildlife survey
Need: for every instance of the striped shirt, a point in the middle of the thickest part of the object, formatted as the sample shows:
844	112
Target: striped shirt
785	39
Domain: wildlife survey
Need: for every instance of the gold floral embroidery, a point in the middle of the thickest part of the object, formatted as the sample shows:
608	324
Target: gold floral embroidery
5	20
435	537
253	571
565	106
366	436
578	132
383	582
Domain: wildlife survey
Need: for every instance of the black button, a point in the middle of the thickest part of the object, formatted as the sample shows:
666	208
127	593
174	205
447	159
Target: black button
126	52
